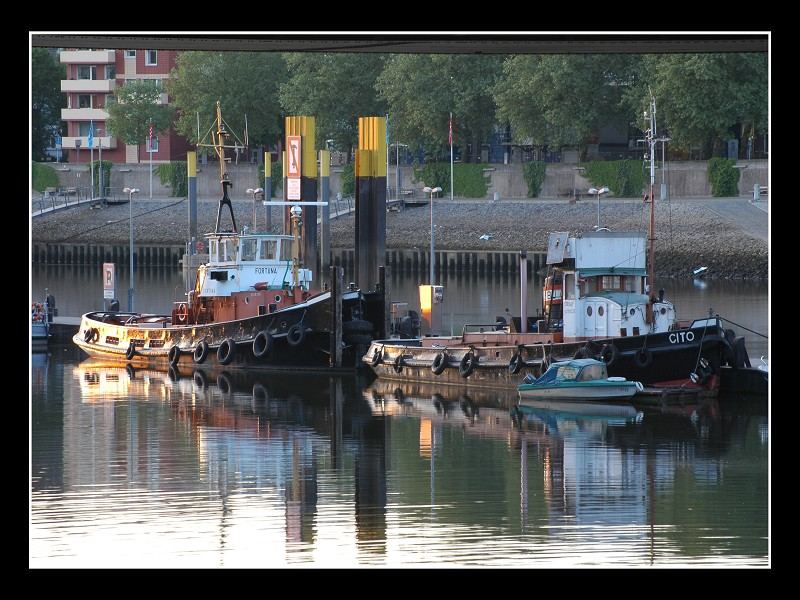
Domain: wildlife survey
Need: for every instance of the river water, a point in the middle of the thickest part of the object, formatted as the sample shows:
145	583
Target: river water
231	469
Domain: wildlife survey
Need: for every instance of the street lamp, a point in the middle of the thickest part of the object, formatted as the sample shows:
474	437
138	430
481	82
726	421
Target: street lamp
602	190
255	193
130	192
431	191
397	145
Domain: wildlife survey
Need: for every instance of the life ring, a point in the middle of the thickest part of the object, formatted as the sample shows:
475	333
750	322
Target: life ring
226	351
296	335
515	364
609	354
131	351
467	364
398	364
377	357
439	363
200	352
182	312
174	355
643	358
262	344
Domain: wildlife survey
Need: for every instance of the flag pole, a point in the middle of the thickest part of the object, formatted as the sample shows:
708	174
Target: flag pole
91	158
150	149
451	156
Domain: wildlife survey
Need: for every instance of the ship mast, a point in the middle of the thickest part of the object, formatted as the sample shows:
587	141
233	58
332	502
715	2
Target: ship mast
218	134
651	137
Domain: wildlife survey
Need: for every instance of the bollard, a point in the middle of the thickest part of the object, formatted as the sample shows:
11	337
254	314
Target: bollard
756	192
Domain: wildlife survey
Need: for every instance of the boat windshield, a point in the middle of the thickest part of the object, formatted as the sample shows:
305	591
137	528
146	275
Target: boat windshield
558	373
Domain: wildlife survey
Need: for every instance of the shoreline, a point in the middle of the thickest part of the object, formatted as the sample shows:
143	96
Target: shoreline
727	235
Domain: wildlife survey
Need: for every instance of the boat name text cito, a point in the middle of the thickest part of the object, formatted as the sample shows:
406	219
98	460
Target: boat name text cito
266	270
681	336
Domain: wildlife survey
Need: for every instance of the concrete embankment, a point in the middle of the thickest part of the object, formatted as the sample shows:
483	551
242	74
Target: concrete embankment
731	241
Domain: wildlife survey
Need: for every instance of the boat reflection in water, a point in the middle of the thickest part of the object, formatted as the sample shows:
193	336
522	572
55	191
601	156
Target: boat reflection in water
241	469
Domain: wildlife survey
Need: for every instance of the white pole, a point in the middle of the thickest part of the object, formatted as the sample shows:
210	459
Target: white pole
151	169
451	156
397	171
431	261
91	169
100	160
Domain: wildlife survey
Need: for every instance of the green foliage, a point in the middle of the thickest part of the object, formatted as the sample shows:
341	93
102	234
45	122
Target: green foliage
348	180
277	176
422	89
46	100
724	178
703	98
469	180
534	173
336	89
106	165
136	106
625	178
176	175
245	83
44	176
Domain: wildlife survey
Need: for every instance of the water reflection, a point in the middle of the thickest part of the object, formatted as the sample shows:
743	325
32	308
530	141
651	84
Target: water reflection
228	468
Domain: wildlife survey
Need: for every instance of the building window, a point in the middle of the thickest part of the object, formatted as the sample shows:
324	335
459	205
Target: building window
84	101
154	142
83	128
87	72
111	72
130	53
150	57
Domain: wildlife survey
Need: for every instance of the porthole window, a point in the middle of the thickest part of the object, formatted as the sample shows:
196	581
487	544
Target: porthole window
247	299
633	311
663	310
589	311
600	311
277	298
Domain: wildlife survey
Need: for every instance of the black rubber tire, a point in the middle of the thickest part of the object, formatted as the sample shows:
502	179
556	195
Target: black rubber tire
398	364
377	357
296	335
262	344
224	383
609	354
515	364
467	364
172	372
200	352
260	393
130	371
174	355
439	363
226	351
87	335
200	379
131	351
643	358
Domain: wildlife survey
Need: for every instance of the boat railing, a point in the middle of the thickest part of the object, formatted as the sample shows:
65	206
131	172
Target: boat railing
497	327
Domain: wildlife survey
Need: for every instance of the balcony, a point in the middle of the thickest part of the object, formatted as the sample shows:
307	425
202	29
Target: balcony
92	57
88	85
83	114
108	142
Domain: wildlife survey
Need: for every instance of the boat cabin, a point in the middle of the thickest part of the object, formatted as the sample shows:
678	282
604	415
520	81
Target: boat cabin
604	286
247	274
579	369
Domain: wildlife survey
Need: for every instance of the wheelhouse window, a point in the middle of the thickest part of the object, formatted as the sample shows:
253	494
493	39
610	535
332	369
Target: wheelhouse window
249	247
612	282
569	286
268	249
286	250
213	247
229	247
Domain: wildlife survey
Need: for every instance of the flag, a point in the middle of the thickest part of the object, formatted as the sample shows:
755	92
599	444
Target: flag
450	137
91	134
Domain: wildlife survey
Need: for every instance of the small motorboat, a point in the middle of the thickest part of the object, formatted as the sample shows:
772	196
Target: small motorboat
577	379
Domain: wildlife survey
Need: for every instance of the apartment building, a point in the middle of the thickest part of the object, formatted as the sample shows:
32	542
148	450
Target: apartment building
92	77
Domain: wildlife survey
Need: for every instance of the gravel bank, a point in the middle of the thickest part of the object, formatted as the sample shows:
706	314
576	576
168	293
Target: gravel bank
688	234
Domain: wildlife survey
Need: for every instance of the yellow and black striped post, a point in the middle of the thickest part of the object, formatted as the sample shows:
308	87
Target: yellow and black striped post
305	127
370	171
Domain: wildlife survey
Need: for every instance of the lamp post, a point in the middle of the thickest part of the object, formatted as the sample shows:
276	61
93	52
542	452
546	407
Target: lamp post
431	191
255	193
130	192
397	145
596	191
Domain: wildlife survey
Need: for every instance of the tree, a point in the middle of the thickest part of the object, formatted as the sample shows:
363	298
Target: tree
136	106
421	91
46	100
245	83
336	89
704	98
563	100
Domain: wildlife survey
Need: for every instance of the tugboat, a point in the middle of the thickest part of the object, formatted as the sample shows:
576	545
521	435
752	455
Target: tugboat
599	303
252	304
